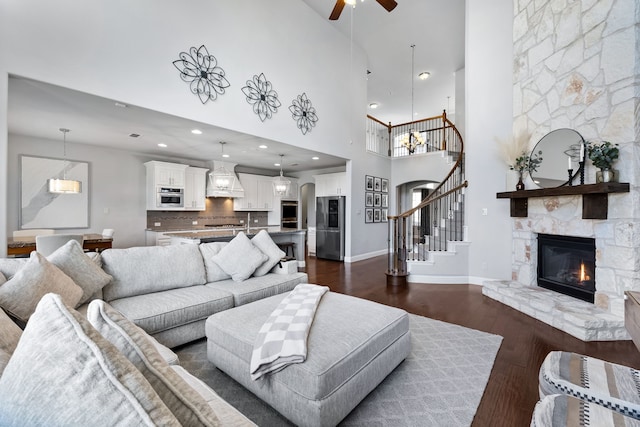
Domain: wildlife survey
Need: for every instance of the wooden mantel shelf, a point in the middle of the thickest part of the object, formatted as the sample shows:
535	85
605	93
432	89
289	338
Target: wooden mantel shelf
595	197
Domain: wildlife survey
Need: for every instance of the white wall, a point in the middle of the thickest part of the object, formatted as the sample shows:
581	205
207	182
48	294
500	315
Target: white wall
124	50
488	113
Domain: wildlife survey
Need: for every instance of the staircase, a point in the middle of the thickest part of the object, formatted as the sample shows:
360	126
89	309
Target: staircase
439	249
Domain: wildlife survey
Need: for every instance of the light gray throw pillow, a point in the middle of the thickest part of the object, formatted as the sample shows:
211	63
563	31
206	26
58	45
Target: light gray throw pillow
208	250
9	336
20	295
183	401
239	258
70	258
274	254
64	373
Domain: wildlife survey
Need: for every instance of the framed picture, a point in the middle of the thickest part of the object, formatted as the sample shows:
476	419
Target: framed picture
377	199
385	201
383	215
41	209
368	199
376	215
377	184
368	215
385	185
368	182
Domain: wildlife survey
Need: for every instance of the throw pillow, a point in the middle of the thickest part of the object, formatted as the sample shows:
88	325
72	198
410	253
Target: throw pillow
9	337
2	278
274	254
10	266
20	295
239	258
208	250
70	258
183	401
63	372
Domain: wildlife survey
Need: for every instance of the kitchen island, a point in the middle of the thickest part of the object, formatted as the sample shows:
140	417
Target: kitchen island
278	235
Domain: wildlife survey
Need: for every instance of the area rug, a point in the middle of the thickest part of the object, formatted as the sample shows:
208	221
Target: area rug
440	383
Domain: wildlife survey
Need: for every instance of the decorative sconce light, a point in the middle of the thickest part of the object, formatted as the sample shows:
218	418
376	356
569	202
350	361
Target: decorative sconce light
64	185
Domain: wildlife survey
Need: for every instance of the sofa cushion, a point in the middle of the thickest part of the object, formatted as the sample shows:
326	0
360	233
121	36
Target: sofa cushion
142	270
70	258
158	311
231	416
255	288
184	402
208	250
274	254
239	258
10	266
95	382
9	336
20	295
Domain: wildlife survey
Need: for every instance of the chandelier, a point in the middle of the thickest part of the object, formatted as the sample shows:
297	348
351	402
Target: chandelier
221	178
280	184
412	139
64	185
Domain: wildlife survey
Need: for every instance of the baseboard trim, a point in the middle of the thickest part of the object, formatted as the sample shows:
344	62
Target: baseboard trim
368	255
446	280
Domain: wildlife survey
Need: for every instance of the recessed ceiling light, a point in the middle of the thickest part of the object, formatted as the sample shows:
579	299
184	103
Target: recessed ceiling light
262	146
315	158
373	105
161	145
225	155
276	164
121	105
196	131
424	75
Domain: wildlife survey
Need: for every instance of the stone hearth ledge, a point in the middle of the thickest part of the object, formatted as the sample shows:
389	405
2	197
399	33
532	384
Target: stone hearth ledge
578	318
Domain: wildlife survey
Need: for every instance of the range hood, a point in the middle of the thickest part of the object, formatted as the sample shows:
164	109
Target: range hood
235	191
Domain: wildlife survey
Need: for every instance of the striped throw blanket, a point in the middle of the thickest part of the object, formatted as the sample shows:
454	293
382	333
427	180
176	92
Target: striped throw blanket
282	340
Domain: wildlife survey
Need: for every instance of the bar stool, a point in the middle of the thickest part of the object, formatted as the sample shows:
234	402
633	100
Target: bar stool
285	246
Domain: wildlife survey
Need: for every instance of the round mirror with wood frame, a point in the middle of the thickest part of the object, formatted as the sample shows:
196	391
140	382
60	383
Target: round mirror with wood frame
560	149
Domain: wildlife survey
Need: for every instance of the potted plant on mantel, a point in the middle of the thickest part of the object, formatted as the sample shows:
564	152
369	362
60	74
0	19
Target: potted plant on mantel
525	163
603	155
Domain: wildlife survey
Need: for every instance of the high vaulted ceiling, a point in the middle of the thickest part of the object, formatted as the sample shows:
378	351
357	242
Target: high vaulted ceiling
435	27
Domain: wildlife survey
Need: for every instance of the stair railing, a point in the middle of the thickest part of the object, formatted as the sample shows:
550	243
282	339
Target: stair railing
444	207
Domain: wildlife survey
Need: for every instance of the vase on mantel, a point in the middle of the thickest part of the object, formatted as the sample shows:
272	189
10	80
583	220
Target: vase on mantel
607	175
520	184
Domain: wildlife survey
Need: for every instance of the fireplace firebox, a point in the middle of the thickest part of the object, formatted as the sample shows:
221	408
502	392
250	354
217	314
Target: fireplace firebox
566	264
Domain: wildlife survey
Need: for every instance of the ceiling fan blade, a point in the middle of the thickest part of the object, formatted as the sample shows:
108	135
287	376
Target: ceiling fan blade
388	4
337	10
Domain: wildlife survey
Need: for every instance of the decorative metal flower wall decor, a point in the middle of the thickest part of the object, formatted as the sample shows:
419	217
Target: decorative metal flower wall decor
303	113
263	98
200	69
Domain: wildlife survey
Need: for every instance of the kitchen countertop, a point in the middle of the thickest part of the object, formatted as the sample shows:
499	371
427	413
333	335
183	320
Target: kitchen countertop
204	234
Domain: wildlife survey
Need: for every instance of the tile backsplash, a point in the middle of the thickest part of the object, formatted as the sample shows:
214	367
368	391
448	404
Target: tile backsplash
219	211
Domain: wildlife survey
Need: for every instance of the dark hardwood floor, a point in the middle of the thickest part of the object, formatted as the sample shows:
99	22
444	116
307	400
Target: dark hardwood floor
512	390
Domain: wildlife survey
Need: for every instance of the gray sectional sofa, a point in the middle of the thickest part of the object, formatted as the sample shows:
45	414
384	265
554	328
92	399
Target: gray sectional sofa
166	294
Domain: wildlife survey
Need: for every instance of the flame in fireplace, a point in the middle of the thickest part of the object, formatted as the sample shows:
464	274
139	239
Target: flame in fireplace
583	275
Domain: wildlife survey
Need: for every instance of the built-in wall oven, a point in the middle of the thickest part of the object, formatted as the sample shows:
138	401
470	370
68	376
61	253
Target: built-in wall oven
170	197
289	214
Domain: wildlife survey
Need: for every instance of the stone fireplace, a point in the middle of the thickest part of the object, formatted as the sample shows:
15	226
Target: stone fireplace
615	271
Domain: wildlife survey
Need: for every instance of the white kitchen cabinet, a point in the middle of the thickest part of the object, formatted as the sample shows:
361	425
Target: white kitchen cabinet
195	189
157	238
169	174
258	193
331	184
163	174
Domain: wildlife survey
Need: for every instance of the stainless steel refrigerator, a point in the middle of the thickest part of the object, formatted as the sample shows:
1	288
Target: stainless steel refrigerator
330	227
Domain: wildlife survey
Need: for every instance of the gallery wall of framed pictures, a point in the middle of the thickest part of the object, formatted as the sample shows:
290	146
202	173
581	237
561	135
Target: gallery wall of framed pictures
376	199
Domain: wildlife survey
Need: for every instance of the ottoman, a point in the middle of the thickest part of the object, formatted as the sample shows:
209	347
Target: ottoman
561	410
353	345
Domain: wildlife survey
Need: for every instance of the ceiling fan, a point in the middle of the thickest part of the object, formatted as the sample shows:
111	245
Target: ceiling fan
337	9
